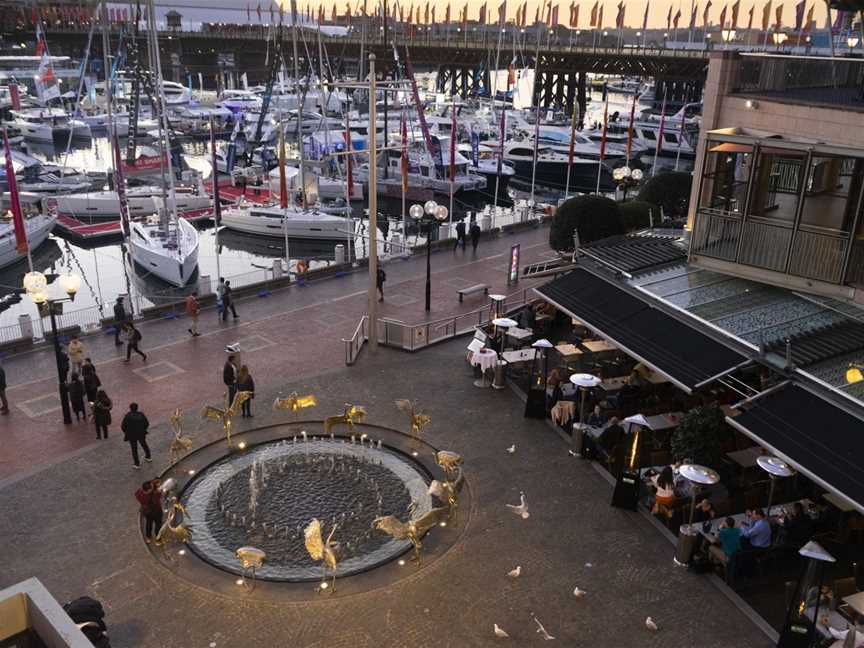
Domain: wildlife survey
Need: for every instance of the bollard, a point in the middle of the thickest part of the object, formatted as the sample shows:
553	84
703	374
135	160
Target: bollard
26	325
339	254
204	286
277	268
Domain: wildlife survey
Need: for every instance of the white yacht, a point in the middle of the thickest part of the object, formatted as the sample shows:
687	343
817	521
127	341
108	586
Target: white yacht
551	167
44	124
176	94
292	221
97	119
142	201
38	226
170	254
487	166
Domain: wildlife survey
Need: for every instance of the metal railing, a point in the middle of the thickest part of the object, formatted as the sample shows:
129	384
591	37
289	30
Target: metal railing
356	341
765	244
716	235
818	255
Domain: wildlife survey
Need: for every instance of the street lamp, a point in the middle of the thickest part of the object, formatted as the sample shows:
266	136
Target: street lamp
428	215
728	35
851	41
779	38
36	286
626	178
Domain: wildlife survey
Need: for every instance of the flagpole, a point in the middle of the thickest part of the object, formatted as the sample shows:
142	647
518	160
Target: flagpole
660	134
501	20
603	142
573	121
536	120
217	207
452	155
681	135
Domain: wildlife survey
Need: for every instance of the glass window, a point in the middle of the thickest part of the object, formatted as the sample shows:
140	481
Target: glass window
649	135
832	192
670	138
725	176
776	183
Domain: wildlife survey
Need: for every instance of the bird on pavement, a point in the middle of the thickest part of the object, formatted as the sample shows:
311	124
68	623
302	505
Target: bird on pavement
499	632
511	449
649	623
515	573
520	509
541	630
579	593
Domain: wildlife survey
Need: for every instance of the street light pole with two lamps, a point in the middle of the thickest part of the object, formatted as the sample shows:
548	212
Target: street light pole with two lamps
427	215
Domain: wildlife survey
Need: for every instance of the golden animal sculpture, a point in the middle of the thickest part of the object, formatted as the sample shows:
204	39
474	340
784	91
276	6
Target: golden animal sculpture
225	415
412	530
449	462
318	549
448	492
295	403
176	525
180	443
416	420
251	558
352	414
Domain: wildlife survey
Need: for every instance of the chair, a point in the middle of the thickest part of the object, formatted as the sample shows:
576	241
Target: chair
840	589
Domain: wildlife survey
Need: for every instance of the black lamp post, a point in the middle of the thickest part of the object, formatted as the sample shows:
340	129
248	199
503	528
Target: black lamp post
427	215
35	284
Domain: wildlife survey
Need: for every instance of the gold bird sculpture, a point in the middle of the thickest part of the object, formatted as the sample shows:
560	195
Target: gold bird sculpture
417	420
179	443
412	530
449	462
225	415
319	549
352	414
294	403
448	492
176	526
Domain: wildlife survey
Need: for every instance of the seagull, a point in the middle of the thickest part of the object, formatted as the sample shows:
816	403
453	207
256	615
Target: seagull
541	630
579	593
515	573
499	632
649	623
522	508
511	449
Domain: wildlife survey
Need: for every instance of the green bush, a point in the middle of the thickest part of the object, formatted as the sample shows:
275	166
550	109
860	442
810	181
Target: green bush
697	438
595	217
637	214
669	190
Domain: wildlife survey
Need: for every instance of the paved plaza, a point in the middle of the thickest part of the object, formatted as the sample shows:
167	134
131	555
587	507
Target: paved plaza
68	516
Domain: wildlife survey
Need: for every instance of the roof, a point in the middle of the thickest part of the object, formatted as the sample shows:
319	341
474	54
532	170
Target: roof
821	439
677	350
632	253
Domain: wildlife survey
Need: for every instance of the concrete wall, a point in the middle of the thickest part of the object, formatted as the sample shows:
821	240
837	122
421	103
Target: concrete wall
29	605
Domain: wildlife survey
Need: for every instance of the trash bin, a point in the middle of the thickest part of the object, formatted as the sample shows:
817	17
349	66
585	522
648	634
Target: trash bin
498	382
688	537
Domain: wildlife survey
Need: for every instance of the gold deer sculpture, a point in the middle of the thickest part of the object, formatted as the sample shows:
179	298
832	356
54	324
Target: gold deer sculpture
413	529
417	420
225	415
180	443
352	414
319	549
294	403
176	526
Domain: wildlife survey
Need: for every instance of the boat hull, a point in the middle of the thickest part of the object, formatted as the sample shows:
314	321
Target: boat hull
583	177
173	266
298	227
38	229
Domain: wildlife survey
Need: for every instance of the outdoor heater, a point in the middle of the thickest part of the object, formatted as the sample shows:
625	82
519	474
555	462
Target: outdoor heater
776	468
626	493
584	382
535	402
688	535
501	325
799	630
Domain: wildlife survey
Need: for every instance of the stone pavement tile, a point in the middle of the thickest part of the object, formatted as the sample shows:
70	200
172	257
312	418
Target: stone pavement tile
74	527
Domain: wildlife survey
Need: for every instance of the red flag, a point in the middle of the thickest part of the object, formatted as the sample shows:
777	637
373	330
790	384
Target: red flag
482	17
600	18
619	19
593	21
537	15
766	16
426	14
669	19
554	17
808	24
447	14
17	217
630	128
662	124
645	17
14	96
217	206
502	14
433	14
605	126
735	7
723	17
778	14
705	13
676	19
750	19
693	15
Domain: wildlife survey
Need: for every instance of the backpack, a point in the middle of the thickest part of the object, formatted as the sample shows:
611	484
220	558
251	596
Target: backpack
136	335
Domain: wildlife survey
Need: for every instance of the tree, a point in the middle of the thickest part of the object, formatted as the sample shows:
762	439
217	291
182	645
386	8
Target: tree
595	217
669	190
636	214
697	439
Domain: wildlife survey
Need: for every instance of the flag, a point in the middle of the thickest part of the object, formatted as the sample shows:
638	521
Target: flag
433	14
766	16
217	207
593	21
426	14
630	128
705	13
332	15
17	217
600	18
603	136
619	19
447	14
778	14
669	19
645	17
502	14
808	24
14	96
750	18
482	17
404	153
120	186
537	15
46	84
799	14
475	146
501	130
676	19
723	17
258	11
40	40
662	124
735	7
694	10
248	13
553	17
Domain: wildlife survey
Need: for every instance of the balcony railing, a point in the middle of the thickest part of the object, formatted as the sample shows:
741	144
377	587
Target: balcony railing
802	79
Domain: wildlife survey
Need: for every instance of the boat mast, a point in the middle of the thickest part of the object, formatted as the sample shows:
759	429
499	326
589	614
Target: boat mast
300	101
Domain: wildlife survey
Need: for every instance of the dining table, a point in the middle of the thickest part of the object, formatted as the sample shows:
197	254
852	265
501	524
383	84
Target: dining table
599	346
485	359
747	457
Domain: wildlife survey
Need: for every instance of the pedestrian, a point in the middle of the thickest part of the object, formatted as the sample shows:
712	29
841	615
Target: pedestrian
91	380
475	235
101	407
245	383
5	408
76	397
135	426
192	310
229	377
220	294
63	365
120	318
132	336
150	498
460	235
241	183
228	302
76	353
379	281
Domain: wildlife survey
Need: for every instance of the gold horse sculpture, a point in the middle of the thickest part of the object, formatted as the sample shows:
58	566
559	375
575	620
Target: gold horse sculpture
417	420
176	525
319	549
180	443
352	414
225	415
412	530
294	403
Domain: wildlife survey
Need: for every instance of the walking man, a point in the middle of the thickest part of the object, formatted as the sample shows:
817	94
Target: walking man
135	426
132	336
475	236
220	294
228	302
5	408
192	310
150	499
119	319
460	235
379	281
229	377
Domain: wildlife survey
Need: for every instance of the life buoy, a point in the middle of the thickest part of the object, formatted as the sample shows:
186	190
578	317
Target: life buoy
302	267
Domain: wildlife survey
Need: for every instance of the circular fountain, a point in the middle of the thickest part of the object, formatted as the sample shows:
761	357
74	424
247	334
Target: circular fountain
267	494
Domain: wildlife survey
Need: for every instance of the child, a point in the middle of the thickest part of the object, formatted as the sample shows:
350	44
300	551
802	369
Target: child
76	397
76	353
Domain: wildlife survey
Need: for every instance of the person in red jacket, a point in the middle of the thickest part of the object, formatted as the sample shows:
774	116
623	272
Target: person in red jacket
150	498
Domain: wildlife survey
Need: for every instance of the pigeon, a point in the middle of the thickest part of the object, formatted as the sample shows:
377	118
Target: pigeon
542	631
499	632
515	573
522	508
511	449
573	454
579	593
649	623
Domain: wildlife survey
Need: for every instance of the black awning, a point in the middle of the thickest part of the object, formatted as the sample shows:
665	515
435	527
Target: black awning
819	438
675	349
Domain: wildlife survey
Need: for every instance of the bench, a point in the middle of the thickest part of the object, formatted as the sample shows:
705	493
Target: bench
470	290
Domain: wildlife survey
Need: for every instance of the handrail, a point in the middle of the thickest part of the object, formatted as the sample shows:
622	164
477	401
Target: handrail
355	343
